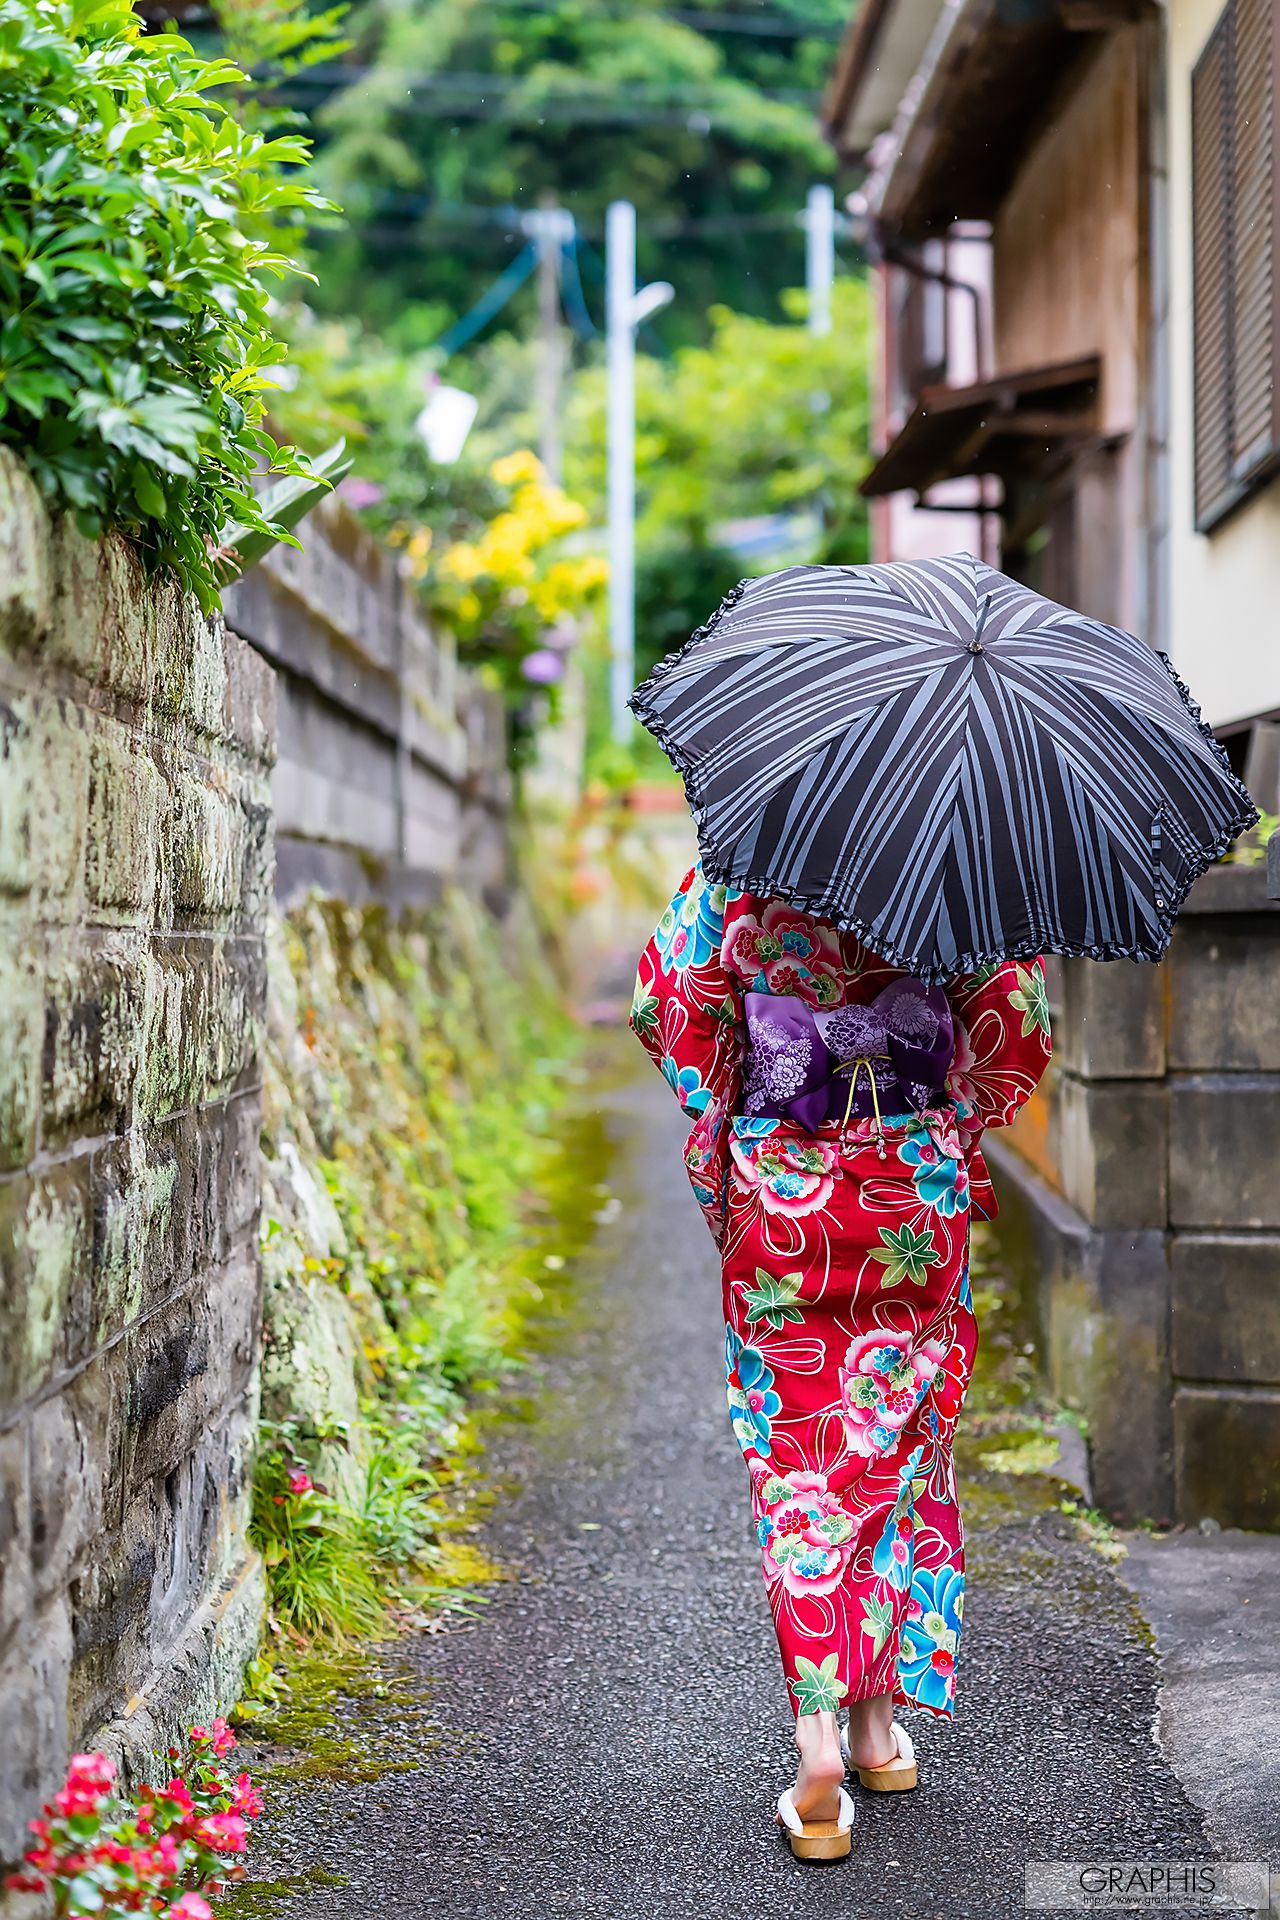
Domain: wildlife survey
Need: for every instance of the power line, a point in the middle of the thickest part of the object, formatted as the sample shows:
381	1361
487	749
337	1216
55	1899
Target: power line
575	300
490	303
482	88
776	25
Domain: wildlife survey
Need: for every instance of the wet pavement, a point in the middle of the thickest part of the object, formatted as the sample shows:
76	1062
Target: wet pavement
607	1737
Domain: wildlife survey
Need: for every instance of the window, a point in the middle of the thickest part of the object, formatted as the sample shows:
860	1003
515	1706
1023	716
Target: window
1236	258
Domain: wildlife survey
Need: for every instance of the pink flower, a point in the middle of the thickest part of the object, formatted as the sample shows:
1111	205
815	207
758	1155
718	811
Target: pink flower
224	1832
177	1792
91	1769
223	1738
884	1377
790	1175
796	954
299	1482
807	1537
247	1799
191	1906
89	1781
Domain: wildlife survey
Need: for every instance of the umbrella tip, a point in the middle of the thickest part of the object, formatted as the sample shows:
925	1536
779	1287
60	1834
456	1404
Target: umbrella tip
975	645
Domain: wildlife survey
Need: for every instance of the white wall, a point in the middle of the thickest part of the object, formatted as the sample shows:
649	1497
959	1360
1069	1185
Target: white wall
1224	623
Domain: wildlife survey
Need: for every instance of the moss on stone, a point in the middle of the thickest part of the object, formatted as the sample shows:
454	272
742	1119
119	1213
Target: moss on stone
412	1071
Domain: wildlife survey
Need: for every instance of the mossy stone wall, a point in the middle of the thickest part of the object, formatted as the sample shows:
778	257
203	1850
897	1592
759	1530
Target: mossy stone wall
136	856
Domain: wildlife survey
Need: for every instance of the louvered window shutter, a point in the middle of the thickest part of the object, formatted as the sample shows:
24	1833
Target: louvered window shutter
1236	258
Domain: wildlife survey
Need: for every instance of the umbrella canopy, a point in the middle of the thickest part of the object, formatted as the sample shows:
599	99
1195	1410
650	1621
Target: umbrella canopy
950	765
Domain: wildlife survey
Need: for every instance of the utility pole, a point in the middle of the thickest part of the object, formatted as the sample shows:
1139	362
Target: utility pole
625	311
819	255
550	228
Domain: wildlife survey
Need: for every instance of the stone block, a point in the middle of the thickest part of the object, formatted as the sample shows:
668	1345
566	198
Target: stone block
45	1257
1226	1307
17	797
204	696
258	876
1112	1023
21	1011
60	813
138	1242
207	1003
34	1676
200	1676
94	1032
25	588
237	1011
179	991
1108	1344
77	1470
15	1535
175	615
1224	995
1222	1152
110	1605
209	829
128	812
1101	1307
187	1364
249	714
196	1140
102	618
181	1534
1227	1457
44	759
1114	1146
239	1173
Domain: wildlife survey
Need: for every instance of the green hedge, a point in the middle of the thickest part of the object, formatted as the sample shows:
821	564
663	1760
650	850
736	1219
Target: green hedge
136	218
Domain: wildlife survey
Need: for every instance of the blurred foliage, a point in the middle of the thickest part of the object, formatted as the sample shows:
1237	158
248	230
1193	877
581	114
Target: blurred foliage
1250	850
467	107
764	419
485	538
138	224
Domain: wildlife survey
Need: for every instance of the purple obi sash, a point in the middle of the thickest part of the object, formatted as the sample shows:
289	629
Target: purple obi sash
801	1061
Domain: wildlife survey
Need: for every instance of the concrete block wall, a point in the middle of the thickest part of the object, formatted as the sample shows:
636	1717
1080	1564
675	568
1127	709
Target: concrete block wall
136	867
392	778
1144	1203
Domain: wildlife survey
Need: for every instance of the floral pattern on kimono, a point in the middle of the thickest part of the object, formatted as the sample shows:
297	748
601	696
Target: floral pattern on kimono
849	1326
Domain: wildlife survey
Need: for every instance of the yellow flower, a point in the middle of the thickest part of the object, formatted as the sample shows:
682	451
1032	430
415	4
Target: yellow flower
513	468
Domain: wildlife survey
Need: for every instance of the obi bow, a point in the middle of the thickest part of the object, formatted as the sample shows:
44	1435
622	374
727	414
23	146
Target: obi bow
808	1064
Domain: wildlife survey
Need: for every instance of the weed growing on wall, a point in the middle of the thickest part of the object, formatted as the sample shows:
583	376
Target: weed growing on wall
137	217
413	1073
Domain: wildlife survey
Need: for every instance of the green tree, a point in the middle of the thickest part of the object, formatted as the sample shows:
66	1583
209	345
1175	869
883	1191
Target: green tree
139	228
466	105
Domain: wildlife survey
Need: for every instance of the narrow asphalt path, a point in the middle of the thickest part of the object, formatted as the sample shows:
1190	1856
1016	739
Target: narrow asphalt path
611	1733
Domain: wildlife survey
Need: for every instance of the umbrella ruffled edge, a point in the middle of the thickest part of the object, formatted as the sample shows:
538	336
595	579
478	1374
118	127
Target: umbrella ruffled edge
763	887
657	674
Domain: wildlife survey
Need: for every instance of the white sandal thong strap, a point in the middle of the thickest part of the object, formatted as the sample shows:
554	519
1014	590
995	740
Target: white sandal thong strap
790	1818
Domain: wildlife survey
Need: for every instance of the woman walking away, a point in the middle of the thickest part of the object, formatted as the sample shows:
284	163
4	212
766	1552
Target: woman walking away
925	761
838	1106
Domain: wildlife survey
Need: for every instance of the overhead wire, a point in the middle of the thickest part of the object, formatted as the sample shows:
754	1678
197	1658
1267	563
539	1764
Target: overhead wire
490	303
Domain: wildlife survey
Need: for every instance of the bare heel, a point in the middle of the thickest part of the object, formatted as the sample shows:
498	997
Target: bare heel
898	1775
817	1839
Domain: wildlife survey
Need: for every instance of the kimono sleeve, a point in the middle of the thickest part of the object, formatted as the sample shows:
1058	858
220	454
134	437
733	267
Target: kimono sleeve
686	1012
1002	1044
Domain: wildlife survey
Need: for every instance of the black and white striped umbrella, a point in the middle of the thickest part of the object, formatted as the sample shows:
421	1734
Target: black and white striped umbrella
951	765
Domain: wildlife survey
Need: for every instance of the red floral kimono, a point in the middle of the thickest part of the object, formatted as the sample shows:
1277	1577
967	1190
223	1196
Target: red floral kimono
849	1328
